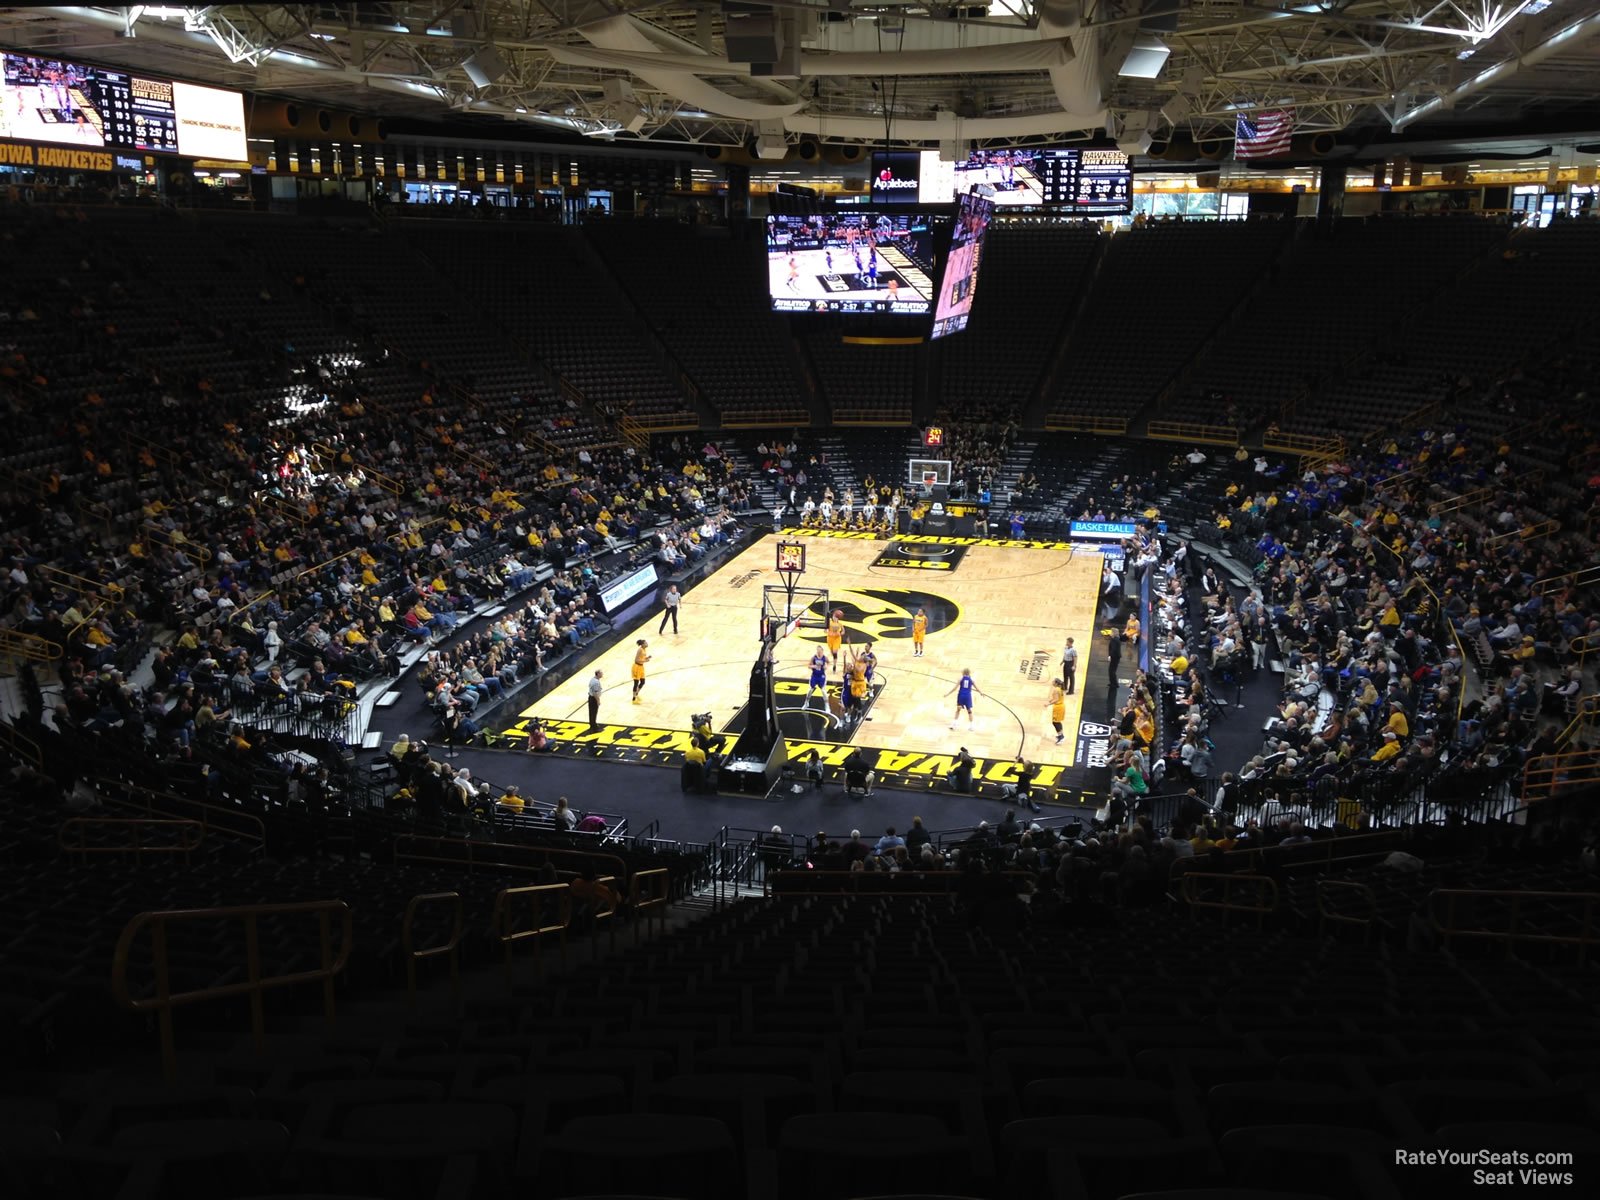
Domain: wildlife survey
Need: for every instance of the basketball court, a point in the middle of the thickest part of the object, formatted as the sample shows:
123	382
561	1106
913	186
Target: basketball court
1002	611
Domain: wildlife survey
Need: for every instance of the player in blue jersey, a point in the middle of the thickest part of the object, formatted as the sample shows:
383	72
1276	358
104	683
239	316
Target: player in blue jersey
819	677
964	689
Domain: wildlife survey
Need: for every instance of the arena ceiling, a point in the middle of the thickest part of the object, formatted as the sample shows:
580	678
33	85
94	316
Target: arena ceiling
681	71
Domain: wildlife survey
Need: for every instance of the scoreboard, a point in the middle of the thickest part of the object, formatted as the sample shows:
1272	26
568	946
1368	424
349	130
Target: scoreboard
1093	182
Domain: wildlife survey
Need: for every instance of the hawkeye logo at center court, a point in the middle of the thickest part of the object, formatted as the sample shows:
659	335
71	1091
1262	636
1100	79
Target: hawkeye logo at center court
878	614
919	556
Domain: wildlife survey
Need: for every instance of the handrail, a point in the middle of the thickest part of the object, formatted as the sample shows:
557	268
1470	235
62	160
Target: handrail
649	893
910	882
20	744
165	1000
27	647
322	565
451	946
114	591
1300	443
293	511
1108	426
1189	890
177	542
1587	935
1465	500
212	817
244	608
1583	646
1191	431
1325	915
476	850
1545	775
1582	577
1526	533
1587	714
505	929
191	834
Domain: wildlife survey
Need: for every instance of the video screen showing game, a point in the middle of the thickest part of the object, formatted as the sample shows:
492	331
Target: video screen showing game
958	285
1094	182
51	100
865	262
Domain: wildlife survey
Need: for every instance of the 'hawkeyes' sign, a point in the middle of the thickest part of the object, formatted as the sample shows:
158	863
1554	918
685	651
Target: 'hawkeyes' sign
920	556
874	614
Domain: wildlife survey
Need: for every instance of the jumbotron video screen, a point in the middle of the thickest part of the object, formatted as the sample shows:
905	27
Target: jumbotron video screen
1089	181
45	99
958	285
867	262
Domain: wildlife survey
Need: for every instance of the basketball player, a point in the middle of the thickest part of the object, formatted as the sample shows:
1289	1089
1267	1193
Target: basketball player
868	661
847	690
964	689
858	689
1058	708
835	635
827	257
819	678
894	289
919	631
640	657
794	274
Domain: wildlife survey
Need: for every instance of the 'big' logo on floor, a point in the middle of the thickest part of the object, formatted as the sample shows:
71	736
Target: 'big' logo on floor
877	614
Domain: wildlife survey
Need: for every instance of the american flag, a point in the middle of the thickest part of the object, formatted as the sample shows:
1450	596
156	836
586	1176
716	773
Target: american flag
1263	134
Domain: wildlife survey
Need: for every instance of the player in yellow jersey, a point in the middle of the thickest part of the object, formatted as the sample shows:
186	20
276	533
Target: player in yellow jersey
640	657
1058	708
835	635
919	631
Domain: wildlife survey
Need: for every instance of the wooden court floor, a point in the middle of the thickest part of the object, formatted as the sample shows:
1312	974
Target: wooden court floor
1003	612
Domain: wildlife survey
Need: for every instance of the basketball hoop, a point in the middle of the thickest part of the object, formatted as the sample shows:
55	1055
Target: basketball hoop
791	562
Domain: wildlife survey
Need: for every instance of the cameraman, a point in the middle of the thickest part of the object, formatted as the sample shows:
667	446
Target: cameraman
960	777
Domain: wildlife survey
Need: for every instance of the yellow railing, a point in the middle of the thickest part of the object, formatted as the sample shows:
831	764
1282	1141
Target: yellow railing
1399	477
451	946
293	511
509	932
1584	646
1325	915
112	591
632	430
398	540
22	746
878	418
238	614
1300	443
1186	431
1587	714
255	983
177	542
323	565
768	419
1544	776
1104	426
16	646
1199	890
1511	905
649	893
1464	500
1582	577
73	837
1527	533
213	818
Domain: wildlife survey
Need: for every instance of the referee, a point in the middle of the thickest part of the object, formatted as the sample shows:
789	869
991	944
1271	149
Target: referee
595	688
669	605
1069	667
